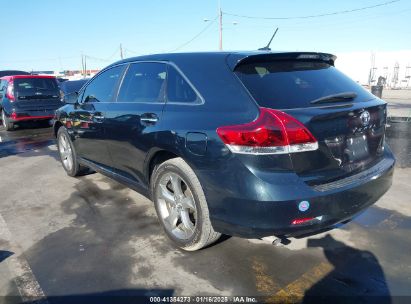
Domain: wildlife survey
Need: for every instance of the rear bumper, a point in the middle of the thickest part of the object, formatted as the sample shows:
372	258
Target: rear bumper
15	112
31	115
241	215
25	118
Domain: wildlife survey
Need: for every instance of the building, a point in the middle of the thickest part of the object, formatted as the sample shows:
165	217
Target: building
367	67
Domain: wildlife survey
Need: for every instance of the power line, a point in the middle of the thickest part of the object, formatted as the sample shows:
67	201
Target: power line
96	58
113	54
196	36
298	26
39	59
131	51
314	16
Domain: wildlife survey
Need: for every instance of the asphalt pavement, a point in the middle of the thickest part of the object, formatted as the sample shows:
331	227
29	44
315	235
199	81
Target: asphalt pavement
65	240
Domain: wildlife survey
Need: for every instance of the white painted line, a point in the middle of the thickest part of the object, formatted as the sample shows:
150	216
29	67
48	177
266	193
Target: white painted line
27	285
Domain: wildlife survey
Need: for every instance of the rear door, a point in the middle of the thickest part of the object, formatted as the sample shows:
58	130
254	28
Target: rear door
135	118
350	132
87	119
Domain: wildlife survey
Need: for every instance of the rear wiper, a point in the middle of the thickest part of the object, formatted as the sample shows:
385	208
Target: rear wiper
345	96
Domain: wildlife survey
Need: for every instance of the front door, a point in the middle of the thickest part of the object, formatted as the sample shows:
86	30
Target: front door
88	120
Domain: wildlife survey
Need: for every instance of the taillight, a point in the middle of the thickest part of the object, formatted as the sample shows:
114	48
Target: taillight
10	91
273	132
300	221
61	96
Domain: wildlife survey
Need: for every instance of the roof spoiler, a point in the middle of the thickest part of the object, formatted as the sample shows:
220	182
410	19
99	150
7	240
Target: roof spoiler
234	60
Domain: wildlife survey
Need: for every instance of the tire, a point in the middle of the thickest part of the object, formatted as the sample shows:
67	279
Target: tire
183	213
9	126
68	154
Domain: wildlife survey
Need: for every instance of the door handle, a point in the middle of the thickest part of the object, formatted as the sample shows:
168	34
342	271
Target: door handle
98	117
149	118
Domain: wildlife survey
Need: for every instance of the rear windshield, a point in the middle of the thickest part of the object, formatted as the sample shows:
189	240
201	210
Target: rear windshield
293	84
36	87
69	87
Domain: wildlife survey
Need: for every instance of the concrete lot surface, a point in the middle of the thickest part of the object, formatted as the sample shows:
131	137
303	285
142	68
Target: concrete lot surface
399	102
63	239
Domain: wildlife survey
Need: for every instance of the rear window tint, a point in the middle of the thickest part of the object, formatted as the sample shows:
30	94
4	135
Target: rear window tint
178	89
293	84
35	86
144	82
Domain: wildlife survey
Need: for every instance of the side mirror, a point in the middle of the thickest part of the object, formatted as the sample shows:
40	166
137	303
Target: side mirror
71	98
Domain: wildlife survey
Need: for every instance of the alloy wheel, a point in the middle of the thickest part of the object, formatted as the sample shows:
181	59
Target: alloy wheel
176	206
66	152
3	119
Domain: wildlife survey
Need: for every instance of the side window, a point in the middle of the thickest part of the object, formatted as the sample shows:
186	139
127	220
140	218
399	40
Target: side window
144	82
3	85
178	89
2	89
103	87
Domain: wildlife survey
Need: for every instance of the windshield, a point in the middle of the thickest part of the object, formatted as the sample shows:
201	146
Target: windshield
293	84
36	87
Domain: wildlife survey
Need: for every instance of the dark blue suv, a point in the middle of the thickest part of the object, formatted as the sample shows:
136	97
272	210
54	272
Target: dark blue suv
250	144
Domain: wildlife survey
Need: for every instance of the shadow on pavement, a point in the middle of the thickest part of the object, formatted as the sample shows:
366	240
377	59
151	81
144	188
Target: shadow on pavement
110	297
398	137
4	254
93	253
20	141
22	145
32	125
357	276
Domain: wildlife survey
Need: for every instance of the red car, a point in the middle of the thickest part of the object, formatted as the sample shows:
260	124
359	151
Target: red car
28	97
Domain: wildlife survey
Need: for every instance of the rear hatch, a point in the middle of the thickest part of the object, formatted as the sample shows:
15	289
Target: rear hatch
349	128
37	94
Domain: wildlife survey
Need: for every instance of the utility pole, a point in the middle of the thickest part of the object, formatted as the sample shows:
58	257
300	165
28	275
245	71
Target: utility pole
82	64
372	69
121	51
85	65
220	13
396	72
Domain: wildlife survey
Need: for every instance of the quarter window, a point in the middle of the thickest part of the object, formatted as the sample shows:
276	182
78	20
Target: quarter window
2	85
178	89
103	87
144	82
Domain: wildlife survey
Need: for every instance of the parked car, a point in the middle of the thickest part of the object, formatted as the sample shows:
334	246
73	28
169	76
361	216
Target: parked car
28	97
250	144
12	72
70	88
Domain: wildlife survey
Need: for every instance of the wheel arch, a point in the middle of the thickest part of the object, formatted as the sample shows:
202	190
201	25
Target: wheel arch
57	125
4	106
157	157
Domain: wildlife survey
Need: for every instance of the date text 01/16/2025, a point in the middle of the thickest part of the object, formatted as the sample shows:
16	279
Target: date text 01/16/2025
204	299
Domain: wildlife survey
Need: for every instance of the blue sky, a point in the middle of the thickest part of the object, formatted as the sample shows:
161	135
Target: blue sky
50	34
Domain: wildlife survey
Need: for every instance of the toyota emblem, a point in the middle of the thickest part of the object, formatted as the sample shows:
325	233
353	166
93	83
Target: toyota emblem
365	118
